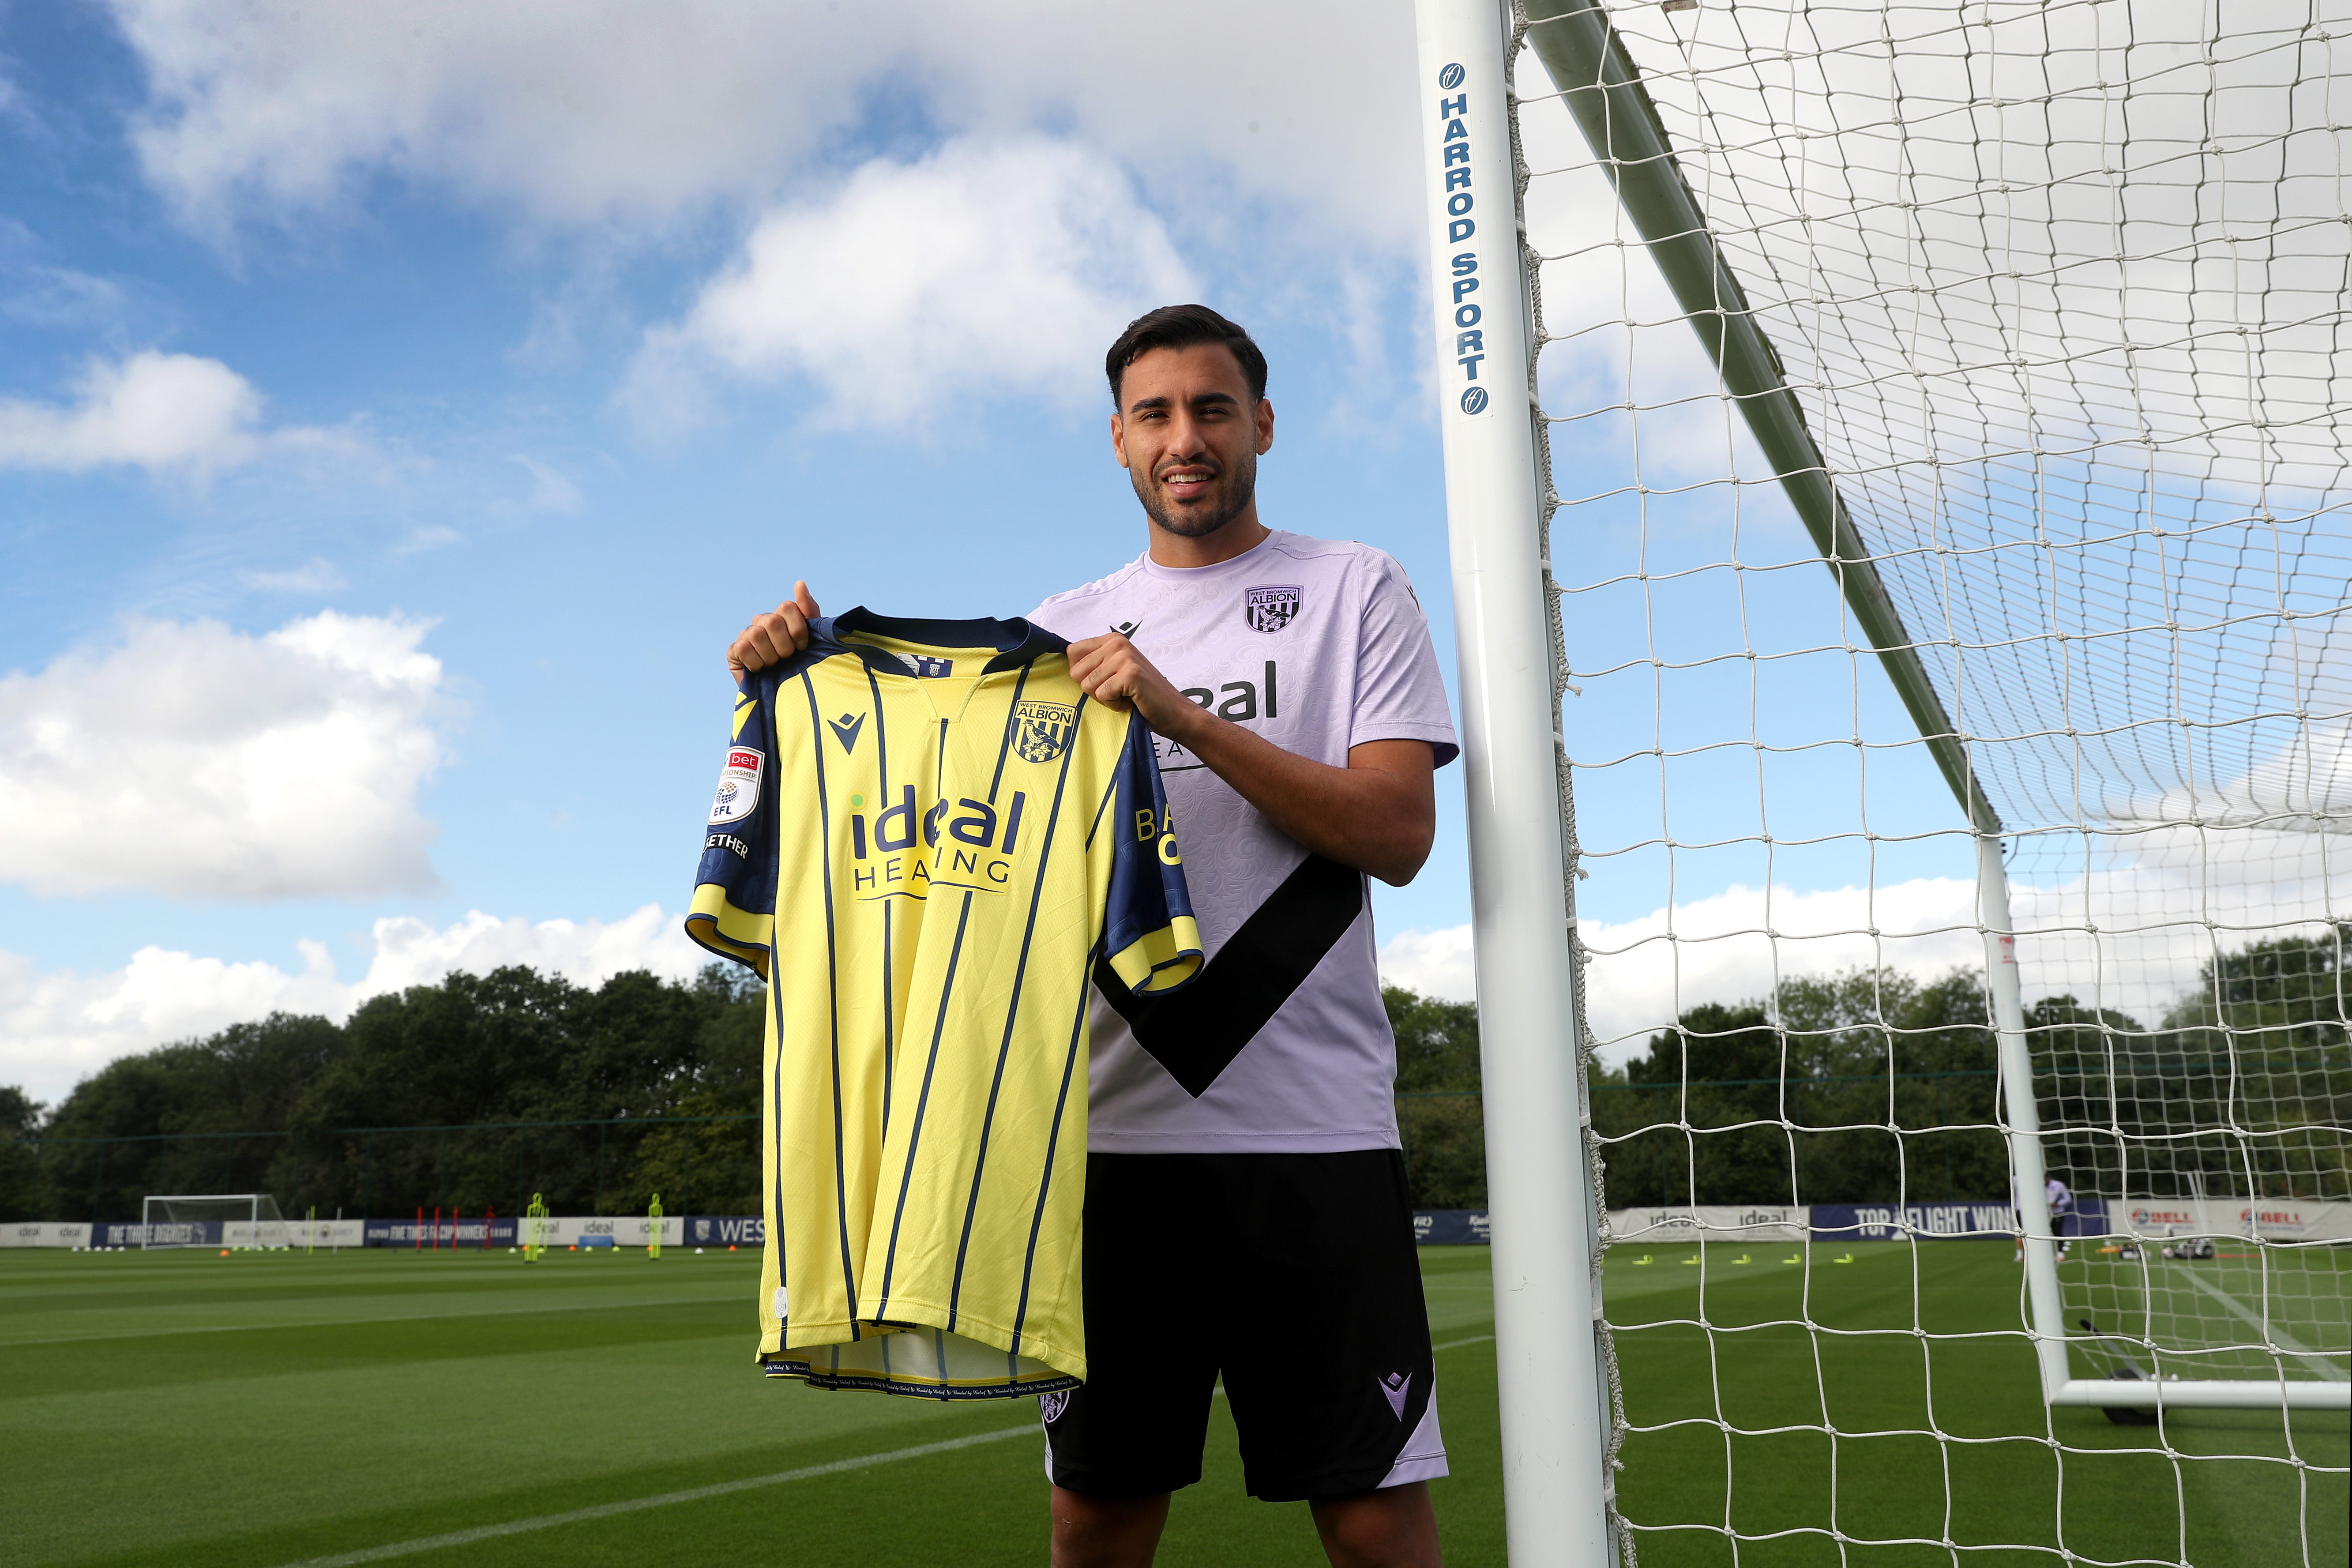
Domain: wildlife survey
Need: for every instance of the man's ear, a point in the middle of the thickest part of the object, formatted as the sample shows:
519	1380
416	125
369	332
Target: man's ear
1265	418
1119	439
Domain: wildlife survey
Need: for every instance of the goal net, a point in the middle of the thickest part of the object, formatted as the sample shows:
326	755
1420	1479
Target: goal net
214	1219
1949	537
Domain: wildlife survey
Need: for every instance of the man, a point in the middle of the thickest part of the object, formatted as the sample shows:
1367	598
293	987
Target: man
1246	1217
2060	1204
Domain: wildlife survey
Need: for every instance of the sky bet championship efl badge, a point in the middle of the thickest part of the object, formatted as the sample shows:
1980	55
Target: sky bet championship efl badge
739	786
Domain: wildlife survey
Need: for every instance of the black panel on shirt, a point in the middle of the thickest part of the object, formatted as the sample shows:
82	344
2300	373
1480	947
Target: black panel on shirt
1197	1032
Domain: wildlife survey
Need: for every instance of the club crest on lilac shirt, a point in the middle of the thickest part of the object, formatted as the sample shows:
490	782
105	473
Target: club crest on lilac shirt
1271	608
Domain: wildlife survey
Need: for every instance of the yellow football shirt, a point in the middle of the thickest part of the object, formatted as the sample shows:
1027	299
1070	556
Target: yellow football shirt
924	835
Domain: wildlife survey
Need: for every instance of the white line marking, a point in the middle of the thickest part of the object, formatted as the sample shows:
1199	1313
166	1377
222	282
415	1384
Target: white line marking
693	1494
696	1494
2276	1335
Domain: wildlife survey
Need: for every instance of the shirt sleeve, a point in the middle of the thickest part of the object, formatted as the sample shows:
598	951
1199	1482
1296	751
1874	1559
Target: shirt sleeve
734	909
1149	939
1400	696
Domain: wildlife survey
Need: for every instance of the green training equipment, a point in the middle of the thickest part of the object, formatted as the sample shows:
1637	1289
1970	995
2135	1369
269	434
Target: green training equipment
534	1229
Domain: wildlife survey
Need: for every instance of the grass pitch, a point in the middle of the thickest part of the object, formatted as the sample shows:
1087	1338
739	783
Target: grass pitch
269	1409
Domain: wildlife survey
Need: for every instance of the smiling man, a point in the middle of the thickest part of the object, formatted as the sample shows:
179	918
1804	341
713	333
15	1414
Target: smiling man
1246	1213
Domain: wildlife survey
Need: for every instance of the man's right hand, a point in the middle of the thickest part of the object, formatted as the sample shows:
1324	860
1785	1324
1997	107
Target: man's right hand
775	637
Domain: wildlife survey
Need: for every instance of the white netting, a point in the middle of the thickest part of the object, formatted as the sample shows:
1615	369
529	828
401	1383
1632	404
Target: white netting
2061	291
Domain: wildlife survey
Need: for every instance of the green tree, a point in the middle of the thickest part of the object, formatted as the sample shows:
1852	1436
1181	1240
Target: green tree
1439	1112
1854	1087
21	1195
459	1062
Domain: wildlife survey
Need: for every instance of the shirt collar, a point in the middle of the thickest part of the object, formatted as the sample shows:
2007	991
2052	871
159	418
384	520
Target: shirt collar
1016	641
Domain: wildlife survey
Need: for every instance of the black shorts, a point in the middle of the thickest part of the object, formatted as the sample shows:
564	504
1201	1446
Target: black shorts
1294	1277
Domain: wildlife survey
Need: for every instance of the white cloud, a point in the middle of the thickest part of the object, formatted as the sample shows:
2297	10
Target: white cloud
1433	962
2128	934
61	297
549	490
981	268
57	1028
198	761
431	536
575	113
173	413
316	576
1641	974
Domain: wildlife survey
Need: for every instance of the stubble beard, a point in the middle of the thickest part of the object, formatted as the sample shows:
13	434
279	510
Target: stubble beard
1238	486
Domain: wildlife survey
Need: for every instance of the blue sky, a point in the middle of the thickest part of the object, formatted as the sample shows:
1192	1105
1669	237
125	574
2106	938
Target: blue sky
401	407
538	431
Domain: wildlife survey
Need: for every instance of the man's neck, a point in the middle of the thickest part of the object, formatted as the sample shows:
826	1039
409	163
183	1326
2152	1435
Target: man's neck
1238	536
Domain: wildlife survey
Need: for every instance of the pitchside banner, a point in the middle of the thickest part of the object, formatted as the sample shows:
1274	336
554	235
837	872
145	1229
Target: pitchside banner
1451	1227
726	1230
1709	1222
2270	1219
175	1233
1931	1222
556	1230
44	1234
447	1233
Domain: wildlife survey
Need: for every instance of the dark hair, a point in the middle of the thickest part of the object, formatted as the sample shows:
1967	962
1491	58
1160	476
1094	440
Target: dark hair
1181	326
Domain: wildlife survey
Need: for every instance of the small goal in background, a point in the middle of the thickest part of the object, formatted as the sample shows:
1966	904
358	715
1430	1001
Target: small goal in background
213	1219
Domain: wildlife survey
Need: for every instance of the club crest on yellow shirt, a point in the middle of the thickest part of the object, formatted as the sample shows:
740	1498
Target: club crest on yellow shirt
1042	730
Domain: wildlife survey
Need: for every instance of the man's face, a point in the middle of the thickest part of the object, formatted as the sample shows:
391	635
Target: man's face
1188	437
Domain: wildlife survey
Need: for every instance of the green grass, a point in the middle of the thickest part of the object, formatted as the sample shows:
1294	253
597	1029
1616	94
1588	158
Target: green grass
1734	1394
261	1409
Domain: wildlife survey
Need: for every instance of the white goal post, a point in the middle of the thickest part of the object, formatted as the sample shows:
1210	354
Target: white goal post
2028	322
234	1220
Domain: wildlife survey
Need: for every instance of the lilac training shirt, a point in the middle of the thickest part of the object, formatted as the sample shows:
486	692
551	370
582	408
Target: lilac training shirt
1319	646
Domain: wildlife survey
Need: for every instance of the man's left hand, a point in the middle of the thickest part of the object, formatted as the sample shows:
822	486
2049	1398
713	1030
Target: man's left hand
1114	672
1378	814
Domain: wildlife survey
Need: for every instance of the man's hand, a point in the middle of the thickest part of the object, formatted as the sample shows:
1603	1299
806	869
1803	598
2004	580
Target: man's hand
1379	814
1114	672
775	637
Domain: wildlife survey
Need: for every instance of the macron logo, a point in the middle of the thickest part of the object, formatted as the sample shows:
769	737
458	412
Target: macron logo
846	728
1395	1388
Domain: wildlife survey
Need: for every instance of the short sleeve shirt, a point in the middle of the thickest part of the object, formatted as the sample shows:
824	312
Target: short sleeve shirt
1319	646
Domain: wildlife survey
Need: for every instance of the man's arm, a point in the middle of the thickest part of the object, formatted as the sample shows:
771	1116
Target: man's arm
1379	814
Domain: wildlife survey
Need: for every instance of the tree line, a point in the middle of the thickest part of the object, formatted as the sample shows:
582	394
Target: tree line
477	1092
1870	1086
